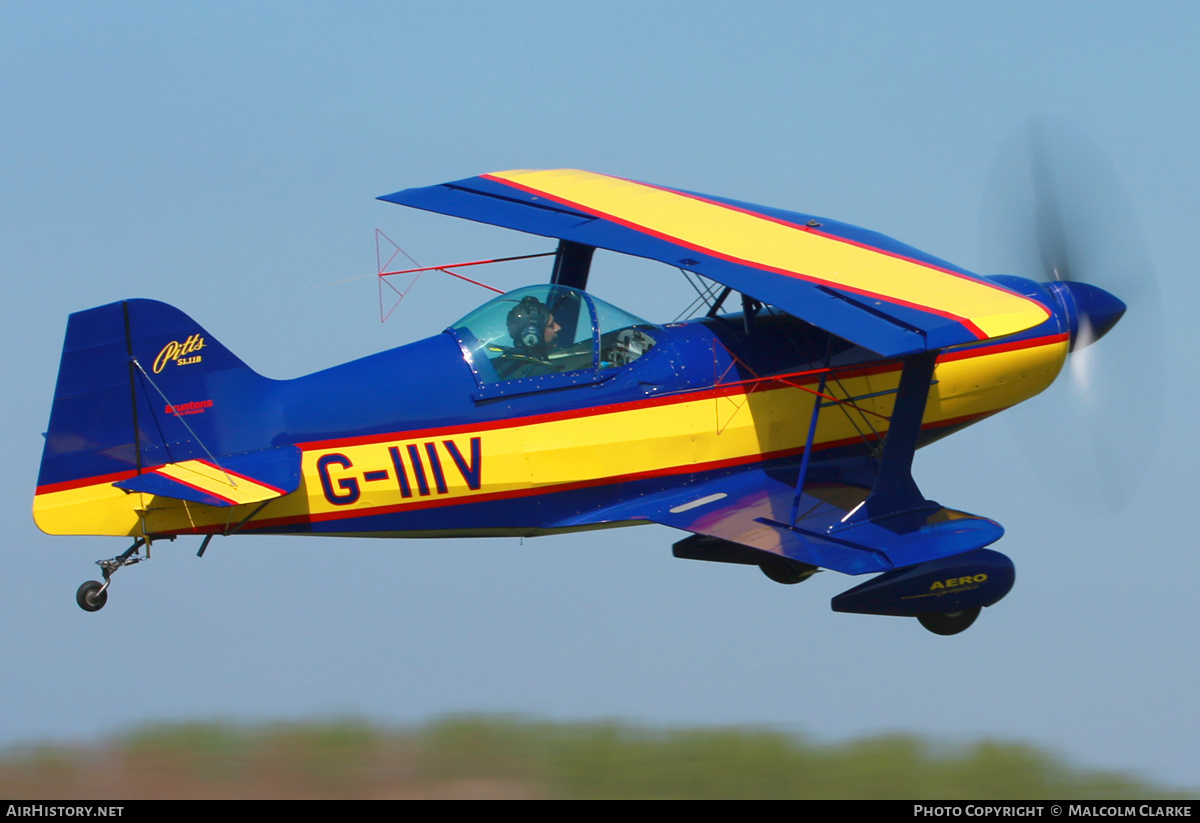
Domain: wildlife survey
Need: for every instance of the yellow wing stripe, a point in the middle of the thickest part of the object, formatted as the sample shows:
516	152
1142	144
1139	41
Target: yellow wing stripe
790	250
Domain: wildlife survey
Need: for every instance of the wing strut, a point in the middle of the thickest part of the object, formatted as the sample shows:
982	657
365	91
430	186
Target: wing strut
895	492
572	264
808	447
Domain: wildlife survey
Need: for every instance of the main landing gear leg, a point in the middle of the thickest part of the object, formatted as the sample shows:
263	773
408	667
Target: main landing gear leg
93	594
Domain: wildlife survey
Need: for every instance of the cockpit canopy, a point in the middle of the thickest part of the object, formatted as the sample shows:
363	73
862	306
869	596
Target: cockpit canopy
548	329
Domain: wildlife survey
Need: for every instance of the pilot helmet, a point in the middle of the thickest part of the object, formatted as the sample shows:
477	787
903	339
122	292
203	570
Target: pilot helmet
527	322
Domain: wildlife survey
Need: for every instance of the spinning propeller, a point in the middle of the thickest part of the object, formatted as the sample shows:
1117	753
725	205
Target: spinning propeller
1055	211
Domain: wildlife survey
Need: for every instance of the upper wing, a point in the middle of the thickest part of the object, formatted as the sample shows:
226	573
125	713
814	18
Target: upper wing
859	285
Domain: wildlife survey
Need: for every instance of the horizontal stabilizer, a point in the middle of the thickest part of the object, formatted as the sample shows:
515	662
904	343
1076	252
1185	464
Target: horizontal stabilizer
234	480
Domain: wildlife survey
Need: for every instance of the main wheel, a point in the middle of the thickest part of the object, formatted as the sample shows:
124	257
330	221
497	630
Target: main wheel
90	597
951	623
788	574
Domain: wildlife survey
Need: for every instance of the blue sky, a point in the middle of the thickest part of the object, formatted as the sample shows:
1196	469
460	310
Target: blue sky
225	158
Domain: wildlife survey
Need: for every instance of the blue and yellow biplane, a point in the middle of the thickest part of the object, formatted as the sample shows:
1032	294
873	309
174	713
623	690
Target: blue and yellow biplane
778	430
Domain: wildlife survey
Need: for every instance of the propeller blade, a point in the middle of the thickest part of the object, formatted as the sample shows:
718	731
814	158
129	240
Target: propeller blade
1051	233
1055	211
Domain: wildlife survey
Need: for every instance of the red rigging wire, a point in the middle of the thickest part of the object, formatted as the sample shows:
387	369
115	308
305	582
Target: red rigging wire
380	265
383	274
461	265
787	379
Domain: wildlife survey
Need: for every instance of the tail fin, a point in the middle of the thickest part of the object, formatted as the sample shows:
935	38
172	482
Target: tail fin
141	384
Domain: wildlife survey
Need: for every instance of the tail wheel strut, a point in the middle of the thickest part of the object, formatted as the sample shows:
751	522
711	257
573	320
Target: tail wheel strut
92	595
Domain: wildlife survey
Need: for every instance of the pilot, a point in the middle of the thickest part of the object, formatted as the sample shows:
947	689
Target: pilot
534	332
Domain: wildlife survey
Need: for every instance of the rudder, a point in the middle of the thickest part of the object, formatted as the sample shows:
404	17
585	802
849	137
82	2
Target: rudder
141	384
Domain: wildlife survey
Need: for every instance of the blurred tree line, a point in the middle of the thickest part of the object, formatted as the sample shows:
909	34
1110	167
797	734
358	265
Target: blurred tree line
490	757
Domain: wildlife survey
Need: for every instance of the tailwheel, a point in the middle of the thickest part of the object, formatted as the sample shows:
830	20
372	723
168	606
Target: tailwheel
92	596
949	623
